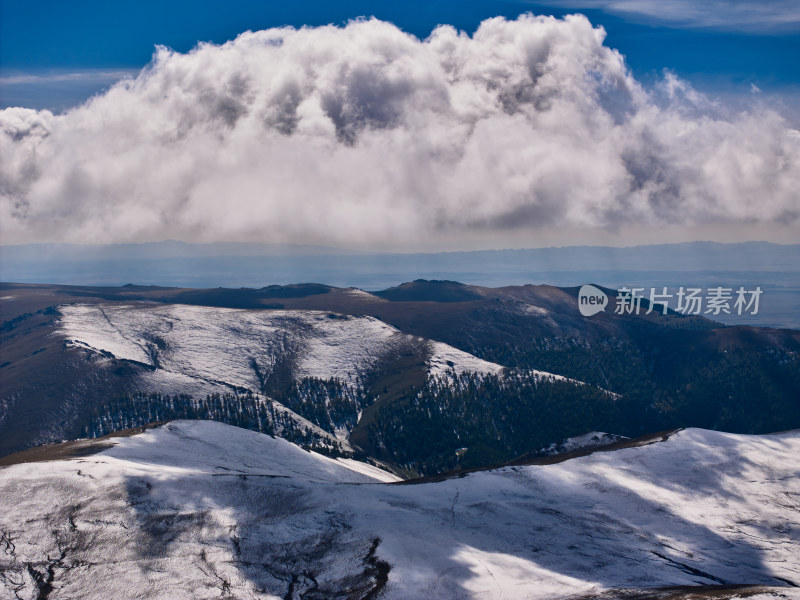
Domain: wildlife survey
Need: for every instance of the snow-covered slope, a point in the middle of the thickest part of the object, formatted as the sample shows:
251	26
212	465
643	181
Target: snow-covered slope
219	348
203	510
445	359
582	442
210	448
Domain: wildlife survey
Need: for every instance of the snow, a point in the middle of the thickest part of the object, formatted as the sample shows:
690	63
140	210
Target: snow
92	327
343	346
202	510
531	309
208	447
587	440
445	359
198	350
221	348
358	292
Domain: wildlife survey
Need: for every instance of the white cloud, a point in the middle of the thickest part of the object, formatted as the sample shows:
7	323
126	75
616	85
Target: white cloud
364	135
57	90
103	76
764	16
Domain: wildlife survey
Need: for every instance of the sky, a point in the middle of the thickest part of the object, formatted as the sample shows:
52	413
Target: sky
714	44
644	120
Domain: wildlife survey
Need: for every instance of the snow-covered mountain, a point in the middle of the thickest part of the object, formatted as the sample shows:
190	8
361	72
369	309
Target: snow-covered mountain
405	375
216	349
201	350
205	510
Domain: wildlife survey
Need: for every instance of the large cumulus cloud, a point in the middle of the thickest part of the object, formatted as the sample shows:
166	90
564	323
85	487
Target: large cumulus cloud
364	135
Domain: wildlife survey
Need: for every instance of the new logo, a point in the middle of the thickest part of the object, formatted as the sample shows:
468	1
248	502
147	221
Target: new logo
591	300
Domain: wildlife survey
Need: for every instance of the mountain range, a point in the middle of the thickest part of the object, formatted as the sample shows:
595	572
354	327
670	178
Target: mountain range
773	267
422	378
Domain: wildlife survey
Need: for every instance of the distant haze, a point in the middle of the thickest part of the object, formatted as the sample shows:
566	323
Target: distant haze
773	267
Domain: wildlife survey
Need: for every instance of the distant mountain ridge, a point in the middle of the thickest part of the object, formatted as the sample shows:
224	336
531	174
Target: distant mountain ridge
164	249
773	267
677	256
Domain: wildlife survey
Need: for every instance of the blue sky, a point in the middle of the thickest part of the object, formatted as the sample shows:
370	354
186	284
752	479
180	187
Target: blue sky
55	54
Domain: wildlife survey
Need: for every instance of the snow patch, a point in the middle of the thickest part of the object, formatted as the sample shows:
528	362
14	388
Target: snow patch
445	359
592	439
